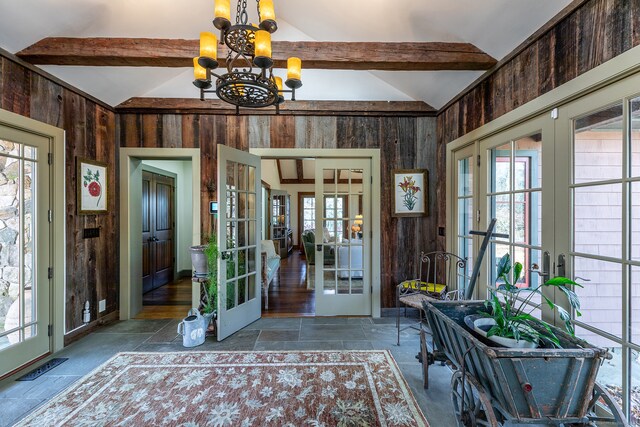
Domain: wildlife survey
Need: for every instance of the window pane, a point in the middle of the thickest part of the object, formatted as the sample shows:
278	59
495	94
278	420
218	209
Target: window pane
528	165
501	210
598	220
635	137
635	305
465	216
598	145
465	177
635	221
501	179
601	297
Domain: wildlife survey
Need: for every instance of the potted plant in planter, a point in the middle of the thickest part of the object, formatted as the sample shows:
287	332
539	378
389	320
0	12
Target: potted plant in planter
210	307
509	322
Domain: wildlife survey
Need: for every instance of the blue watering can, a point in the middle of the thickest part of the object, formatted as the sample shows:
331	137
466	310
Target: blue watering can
192	328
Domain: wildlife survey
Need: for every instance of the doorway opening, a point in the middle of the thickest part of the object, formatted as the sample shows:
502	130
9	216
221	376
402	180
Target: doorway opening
160	220
166	236
294	209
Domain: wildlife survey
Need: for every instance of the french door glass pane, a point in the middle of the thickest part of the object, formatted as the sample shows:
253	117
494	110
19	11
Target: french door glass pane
527	162
241	236
465	177
501	170
635	306
635	137
501	210
601	297
598	220
635	221
17	243
634	419
598	144
343	227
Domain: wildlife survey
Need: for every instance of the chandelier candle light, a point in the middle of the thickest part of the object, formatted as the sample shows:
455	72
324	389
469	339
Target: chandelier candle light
248	47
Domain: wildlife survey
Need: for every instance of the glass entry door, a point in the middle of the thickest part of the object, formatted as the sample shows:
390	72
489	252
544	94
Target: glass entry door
24	248
239	267
343	237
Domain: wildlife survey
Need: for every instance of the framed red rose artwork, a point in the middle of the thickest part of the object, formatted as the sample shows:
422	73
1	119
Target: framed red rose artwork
91	179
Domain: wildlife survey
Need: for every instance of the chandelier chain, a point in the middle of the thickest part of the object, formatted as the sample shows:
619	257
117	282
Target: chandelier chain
259	17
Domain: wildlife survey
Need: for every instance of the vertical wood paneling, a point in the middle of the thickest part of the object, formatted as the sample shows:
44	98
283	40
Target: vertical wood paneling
190	131
90	131
46	101
130	130
151	130
171	131
404	142
282	132
16	88
259	131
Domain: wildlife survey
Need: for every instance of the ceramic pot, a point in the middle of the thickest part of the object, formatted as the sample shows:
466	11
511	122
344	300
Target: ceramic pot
481	326
199	261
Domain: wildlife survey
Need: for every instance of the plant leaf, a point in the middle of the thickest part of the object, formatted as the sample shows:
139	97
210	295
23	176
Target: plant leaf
504	265
517	271
561	281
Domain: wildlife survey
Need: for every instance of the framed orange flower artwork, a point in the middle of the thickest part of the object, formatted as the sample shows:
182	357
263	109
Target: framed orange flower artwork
410	192
91	180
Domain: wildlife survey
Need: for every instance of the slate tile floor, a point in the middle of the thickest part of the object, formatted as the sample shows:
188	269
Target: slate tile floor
19	398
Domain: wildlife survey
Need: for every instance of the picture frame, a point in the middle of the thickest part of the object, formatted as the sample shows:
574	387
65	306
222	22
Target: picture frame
92	192
410	188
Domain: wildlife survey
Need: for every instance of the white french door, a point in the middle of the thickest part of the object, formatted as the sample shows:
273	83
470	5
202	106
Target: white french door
239	222
517	189
465	208
343	237
599	207
24	248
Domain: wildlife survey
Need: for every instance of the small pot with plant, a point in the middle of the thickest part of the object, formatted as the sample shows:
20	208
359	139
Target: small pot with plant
508	320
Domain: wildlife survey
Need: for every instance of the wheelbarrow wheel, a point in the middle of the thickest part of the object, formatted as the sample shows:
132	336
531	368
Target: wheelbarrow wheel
603	410
471	404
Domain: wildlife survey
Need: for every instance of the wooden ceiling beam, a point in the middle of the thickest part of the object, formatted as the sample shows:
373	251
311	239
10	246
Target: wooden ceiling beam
141	52
299	169
298	108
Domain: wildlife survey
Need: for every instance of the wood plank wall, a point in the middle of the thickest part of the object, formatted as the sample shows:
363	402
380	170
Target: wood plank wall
92	264
594	33
405	142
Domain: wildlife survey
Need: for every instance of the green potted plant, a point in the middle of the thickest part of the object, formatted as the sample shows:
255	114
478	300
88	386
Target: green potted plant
508	320
210	308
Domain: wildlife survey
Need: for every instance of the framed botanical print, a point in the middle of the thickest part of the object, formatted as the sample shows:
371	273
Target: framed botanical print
410	192
91	180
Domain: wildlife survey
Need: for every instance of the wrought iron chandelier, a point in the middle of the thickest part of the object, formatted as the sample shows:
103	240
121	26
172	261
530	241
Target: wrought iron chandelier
249	80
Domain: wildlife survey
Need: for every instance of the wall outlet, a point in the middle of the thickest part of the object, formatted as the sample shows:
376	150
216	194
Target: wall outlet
102	305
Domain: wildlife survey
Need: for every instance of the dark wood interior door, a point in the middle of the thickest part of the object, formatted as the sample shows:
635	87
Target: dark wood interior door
158	223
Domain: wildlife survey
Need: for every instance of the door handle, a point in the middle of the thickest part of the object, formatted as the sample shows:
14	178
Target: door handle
561	266
544	274
224	255
319	248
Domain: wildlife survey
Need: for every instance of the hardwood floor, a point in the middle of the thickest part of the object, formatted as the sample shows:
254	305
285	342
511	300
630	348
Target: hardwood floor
288	293
171	301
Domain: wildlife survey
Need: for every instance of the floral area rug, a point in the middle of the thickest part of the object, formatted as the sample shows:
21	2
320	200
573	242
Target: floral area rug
311	388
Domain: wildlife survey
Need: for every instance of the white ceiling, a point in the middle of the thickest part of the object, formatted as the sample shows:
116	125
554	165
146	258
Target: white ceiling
495	26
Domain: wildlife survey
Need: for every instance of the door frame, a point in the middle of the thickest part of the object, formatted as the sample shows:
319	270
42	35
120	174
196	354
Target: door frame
57	307
363	153
131	218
